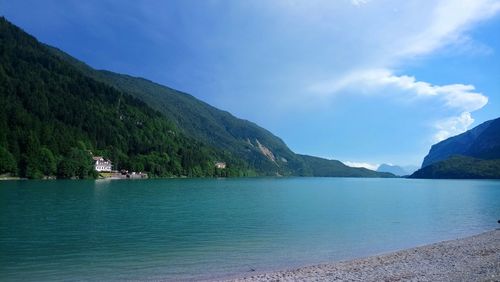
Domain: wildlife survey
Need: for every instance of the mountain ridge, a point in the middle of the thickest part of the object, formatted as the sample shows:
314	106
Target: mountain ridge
333	168
472	143
204	122
240	137
242	143
53	118
472	154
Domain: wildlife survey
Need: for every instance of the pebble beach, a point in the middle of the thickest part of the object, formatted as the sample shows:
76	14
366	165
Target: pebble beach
475	258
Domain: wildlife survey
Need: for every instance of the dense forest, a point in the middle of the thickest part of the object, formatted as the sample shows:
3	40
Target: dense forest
53	118
332	168
460	167
203	122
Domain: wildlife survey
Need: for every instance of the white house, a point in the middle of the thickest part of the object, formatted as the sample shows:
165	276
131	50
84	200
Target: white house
221	165
101	164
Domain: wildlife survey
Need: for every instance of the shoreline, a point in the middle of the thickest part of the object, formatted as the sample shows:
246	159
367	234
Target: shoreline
473	258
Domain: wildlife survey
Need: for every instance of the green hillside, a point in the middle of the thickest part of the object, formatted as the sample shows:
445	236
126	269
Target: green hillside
64	109
52	116
239	138
212	126
461	167
201	121
332	168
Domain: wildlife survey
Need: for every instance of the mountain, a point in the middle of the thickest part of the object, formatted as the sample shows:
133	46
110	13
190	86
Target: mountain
322	167
394	169
53	116
258	148
472	154
460	167
56	110
483	141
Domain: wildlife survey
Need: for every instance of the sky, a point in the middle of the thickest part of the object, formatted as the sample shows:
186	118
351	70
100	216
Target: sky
362	81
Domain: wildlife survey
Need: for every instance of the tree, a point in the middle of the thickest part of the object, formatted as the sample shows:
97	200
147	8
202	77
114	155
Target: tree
78	164
84	167
31	158
47	162
7	162
66	168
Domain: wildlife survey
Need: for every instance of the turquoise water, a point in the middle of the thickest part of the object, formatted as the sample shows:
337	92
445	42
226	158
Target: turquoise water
213	228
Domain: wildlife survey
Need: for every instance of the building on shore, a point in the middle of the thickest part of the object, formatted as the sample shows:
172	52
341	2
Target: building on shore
220	165
101	164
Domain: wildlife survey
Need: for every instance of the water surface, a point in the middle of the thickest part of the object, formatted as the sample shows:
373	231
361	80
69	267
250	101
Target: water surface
212	228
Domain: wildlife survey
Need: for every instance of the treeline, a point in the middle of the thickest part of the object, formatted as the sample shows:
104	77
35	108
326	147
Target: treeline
52	117
460	167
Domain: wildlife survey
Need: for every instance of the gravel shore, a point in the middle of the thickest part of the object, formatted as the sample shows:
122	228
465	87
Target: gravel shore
475	258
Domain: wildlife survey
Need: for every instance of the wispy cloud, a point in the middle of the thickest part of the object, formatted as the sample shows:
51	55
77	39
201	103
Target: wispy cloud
359	2
447	25
450	19
460	97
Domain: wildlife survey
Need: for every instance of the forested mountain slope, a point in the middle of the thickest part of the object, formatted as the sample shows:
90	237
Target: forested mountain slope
472	154
259	148
460	167
57	104
52	116
262	150
333	168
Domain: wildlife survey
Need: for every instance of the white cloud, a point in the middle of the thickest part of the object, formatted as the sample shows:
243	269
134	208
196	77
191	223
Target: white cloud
450	19
361	164
452	126
445	23
359	2
346	50
459	97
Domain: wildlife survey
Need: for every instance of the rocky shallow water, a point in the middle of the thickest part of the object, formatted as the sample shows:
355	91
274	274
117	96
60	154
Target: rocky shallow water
475	258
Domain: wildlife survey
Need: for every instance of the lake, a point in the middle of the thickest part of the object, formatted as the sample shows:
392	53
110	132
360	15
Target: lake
182	229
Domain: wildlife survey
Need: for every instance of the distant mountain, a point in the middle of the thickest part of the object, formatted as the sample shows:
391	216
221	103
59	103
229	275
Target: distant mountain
460	167
394	169
483	141
397	170
258	148
472	154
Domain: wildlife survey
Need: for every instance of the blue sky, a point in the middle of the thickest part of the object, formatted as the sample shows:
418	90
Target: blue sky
365	82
